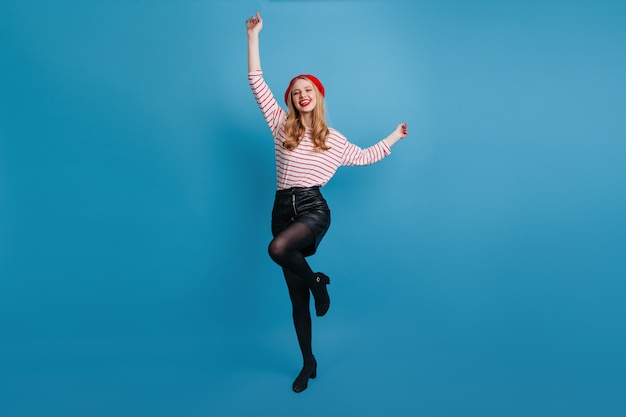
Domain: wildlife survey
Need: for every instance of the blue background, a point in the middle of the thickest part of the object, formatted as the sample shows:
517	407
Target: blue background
477	271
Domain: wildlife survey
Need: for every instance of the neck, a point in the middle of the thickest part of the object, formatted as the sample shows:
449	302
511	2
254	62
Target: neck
306	119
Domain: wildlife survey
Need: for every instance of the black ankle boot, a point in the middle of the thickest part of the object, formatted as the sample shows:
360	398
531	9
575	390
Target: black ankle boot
309	370
320	293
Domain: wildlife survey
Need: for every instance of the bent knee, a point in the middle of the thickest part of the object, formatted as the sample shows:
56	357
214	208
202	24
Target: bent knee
276	250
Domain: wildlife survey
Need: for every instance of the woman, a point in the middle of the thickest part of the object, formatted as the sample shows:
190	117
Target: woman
308	153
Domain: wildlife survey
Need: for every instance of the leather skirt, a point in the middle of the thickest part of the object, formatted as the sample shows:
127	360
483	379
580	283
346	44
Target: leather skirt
303	205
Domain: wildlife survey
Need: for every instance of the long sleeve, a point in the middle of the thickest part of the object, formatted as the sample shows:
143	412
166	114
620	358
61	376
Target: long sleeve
354	155
272	112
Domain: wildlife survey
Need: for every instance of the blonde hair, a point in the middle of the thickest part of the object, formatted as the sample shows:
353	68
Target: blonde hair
295	130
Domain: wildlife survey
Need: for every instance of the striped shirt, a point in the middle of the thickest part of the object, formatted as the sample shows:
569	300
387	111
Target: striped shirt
303	166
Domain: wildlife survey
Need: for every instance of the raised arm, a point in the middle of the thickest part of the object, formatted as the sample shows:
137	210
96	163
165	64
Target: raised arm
254	26
270	108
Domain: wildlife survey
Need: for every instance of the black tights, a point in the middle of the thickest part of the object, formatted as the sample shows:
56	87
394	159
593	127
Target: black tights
286	250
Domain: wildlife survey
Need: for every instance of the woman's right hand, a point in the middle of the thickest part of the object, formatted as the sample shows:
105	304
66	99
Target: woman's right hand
254	25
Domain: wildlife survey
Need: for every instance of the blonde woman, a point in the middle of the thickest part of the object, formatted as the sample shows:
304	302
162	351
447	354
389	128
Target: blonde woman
308	153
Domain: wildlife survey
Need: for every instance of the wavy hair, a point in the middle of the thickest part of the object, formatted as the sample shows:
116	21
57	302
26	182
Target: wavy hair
295	130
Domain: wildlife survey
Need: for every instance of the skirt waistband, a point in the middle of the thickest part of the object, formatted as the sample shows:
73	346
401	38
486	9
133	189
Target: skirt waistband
297	190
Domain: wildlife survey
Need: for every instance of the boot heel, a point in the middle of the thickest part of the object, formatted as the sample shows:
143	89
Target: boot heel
309	371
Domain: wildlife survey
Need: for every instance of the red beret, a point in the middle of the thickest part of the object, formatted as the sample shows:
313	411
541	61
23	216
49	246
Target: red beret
313	79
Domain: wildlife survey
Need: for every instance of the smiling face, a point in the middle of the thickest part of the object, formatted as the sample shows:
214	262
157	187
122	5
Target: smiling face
304	95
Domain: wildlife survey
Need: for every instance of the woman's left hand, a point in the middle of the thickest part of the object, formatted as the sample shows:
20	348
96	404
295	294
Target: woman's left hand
402	130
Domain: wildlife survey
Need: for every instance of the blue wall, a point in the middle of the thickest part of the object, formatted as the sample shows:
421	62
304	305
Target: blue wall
477	271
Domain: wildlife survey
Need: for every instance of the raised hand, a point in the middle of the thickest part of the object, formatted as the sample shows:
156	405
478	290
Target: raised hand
402	130
254	24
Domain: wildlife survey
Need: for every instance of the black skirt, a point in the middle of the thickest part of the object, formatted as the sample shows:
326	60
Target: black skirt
302	205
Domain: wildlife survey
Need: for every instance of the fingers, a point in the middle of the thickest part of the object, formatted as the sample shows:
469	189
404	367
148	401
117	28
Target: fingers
404	129
250	23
